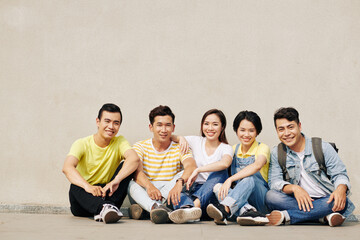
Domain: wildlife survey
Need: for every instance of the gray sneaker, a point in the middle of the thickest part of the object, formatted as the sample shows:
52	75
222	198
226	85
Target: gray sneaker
108	214
160	214
184	215
136	212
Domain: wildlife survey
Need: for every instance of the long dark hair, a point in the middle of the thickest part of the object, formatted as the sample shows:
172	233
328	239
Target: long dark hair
220	114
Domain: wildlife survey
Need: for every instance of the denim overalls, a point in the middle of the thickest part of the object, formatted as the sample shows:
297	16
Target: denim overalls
250	190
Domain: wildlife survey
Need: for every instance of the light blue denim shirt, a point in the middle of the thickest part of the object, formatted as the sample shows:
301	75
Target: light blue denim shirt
335	169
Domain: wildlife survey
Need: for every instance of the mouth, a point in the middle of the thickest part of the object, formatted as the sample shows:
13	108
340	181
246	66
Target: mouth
210	133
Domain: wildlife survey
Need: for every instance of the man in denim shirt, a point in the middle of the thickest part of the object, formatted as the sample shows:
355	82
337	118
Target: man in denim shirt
309	195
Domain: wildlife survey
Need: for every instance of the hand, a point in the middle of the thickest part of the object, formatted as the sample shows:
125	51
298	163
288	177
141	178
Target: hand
96	191
192	178
303	198
112	186
224	190
175	194
184	145
153	192
339	197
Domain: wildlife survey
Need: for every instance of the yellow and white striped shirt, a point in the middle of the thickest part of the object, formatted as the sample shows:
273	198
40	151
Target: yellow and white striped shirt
160	166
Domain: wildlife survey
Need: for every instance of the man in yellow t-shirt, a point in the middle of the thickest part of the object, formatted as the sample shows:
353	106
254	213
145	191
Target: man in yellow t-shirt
98	178
160	176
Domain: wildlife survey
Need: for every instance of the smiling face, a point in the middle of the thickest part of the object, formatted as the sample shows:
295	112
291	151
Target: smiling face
162	128
108	125
289	133
212	127
246	133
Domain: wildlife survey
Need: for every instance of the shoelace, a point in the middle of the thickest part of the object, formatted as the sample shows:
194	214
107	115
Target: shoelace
107	206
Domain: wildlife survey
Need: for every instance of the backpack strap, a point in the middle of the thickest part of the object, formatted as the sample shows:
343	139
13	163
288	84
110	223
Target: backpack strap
319	154
282	154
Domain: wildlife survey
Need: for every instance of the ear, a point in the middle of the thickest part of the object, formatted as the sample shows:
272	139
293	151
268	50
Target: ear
151	128
173	128
300	126
97	122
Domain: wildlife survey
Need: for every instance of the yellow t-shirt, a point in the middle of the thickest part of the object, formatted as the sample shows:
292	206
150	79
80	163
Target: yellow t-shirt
160	166
256	150
96	164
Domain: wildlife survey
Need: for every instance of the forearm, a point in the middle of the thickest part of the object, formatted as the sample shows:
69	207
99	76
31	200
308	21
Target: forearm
74	177
128	168
142	180
189	167
245	172
213	167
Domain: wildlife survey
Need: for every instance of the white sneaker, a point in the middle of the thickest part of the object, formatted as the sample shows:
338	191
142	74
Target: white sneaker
184	215
335	219
108	214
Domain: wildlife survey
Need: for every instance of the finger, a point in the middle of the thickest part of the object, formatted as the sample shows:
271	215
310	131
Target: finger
299	204
331	198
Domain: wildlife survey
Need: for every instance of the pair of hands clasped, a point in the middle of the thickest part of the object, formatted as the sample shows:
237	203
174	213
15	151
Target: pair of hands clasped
99	191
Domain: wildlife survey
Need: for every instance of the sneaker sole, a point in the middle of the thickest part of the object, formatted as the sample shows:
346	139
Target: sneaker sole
336	220
185	215
112	217
159	216
135	211
249	221
216	214
275	218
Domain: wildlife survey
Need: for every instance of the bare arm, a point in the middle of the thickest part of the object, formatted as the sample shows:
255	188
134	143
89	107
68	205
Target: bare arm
141	179
174	194
249	170
184	145
224	163
74	177
131	163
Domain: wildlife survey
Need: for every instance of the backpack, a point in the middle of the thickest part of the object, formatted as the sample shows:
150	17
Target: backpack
317	150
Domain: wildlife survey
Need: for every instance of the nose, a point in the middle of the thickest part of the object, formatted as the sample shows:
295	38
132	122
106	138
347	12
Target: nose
111	125
286	132
163	128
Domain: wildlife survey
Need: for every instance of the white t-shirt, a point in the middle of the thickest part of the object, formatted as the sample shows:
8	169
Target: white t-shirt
306	182
197	145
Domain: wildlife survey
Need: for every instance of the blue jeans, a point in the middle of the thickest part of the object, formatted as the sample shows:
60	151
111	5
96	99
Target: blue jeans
250	190
280	201
204	192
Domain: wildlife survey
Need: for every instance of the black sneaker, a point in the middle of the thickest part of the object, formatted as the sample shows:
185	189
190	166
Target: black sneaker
160	214
252	218
218	213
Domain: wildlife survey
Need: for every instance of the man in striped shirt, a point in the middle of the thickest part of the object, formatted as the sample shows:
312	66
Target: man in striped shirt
162	173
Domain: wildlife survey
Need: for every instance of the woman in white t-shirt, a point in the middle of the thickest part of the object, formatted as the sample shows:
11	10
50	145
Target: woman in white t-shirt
213	155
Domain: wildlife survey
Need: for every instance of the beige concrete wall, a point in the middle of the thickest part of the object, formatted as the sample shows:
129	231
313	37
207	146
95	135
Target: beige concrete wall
61	60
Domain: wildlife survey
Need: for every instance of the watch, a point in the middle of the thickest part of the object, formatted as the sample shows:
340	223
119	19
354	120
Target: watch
182	181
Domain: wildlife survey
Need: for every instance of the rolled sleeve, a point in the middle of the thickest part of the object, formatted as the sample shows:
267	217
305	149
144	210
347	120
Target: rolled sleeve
335	167
276	181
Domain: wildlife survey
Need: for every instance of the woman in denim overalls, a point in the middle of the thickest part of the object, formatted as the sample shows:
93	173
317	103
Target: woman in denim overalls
246	201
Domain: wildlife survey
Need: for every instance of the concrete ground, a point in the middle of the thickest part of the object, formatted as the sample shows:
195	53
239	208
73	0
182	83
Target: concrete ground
65	226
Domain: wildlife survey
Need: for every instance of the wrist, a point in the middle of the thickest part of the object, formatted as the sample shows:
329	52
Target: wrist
180	180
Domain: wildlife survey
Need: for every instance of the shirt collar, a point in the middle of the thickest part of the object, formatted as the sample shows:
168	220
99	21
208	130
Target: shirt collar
252	150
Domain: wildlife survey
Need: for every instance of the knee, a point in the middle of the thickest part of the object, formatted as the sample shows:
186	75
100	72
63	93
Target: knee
249	182
273	197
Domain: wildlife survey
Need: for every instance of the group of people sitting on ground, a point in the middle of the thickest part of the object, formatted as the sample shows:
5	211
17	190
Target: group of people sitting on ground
179	179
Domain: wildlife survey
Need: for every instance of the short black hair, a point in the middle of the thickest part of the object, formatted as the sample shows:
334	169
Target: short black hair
251	117
161	111
110	107
290	113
